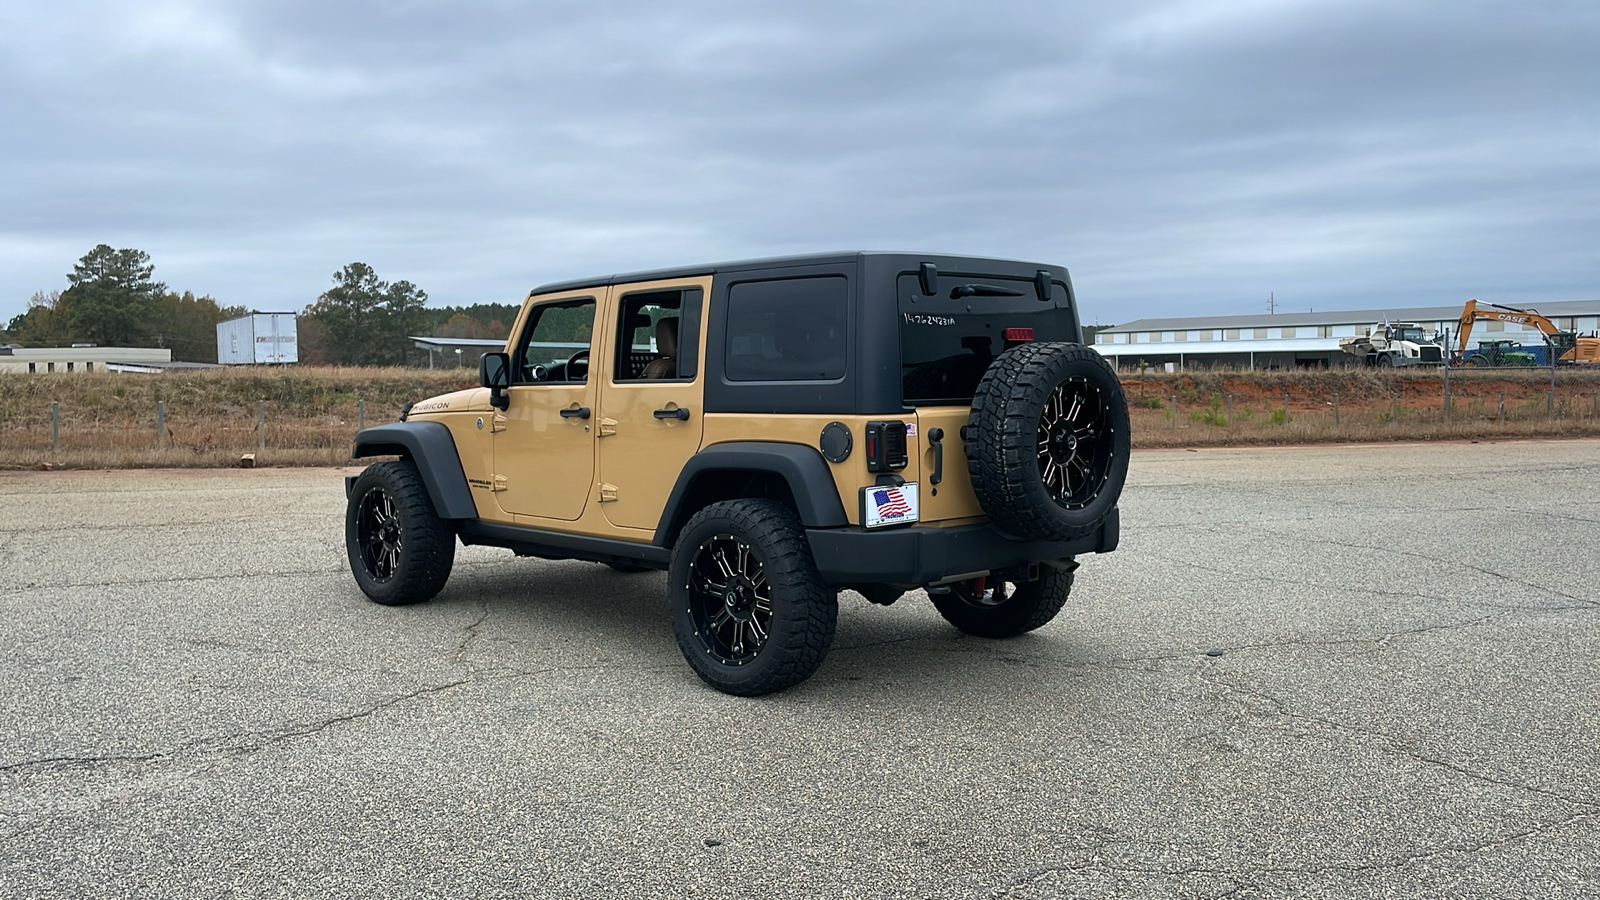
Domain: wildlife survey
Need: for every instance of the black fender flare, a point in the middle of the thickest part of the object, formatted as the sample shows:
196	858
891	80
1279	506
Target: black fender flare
799	465
430	446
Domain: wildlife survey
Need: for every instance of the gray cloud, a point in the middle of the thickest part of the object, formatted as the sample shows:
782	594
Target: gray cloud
1179	157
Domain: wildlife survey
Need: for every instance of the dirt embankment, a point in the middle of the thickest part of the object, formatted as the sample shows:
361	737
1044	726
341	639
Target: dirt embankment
307	415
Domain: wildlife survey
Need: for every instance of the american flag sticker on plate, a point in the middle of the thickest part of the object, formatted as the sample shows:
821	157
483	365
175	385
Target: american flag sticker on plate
886	504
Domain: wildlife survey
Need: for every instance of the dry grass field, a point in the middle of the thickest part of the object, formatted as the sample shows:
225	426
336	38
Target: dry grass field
210	417
1215	408
207	417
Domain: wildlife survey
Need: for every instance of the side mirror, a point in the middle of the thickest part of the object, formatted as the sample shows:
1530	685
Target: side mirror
494	373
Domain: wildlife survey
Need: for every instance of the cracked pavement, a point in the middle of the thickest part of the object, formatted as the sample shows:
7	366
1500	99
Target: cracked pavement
1331	672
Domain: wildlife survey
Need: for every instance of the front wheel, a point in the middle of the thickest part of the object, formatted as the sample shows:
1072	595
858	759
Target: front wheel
992	608
750	612
400	551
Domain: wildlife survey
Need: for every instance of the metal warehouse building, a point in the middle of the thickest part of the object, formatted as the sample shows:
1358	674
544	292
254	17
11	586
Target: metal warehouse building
1285	341
83	358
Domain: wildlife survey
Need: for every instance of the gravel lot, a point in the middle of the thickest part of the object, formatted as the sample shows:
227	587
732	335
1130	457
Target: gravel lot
1338	672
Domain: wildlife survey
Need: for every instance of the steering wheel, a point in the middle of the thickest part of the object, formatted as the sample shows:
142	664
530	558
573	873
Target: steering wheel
581	357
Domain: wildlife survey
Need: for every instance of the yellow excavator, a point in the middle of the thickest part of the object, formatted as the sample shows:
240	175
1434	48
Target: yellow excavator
1566	346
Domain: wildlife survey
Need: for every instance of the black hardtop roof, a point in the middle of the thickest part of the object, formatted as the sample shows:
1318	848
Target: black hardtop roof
942	260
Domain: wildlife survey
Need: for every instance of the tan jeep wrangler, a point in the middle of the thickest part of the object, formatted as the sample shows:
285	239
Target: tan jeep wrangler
770	432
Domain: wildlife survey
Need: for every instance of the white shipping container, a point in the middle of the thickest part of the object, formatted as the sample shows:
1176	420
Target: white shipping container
258	338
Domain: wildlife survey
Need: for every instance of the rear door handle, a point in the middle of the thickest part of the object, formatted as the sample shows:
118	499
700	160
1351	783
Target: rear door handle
581	412
681	413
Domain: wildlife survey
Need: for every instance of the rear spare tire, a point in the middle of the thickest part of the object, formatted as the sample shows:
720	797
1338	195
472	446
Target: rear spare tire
1047	441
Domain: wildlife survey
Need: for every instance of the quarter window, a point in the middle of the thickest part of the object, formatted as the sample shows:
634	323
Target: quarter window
788	330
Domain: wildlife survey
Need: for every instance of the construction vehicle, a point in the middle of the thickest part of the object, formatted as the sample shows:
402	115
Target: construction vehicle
1499	353
1565	346
1394	344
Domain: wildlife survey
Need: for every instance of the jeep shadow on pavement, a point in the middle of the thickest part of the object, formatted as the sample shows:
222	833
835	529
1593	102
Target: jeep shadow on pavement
770	432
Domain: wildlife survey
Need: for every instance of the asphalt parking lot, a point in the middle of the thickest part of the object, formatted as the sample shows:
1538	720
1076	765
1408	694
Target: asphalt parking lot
1336	672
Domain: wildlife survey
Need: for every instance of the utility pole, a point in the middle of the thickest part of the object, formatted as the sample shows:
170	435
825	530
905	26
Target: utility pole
1272	303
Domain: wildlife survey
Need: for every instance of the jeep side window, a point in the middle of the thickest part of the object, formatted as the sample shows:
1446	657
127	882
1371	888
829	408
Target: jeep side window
658	335
555	343
786	330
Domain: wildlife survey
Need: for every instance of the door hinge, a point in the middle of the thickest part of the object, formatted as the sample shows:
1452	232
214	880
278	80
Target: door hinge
499	483
608	493
607	426
499	423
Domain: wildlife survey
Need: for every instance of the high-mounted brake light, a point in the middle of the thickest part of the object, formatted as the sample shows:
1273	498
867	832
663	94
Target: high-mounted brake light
1019	334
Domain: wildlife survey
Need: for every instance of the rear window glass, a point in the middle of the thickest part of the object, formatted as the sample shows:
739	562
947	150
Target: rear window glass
947	341
787	330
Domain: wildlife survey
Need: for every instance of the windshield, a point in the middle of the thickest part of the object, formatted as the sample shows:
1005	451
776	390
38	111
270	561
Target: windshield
948	340
1414	335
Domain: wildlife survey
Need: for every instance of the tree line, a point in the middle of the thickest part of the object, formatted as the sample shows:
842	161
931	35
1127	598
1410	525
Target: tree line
113	299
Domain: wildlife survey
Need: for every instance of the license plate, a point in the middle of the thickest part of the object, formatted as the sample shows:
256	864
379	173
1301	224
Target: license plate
888	505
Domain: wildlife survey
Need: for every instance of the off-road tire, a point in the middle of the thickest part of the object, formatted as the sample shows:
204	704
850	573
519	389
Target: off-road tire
400	551
798	611
1011	446
1019	609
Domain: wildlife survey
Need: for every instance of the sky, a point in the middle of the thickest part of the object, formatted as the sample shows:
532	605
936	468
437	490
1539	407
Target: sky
1180	158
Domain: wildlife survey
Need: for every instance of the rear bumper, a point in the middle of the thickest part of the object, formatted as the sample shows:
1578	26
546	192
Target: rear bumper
922	555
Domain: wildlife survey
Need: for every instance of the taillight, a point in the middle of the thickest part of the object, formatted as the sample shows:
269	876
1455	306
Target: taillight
1019	334
886	446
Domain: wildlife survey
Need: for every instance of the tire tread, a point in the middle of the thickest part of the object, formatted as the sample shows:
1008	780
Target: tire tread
430	545
1001	443
798	649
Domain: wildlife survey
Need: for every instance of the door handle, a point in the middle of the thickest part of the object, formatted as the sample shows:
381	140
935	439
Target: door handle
936	442
581	412
681	413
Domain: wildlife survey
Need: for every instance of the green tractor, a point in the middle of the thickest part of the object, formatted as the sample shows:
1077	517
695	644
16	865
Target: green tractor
1499	353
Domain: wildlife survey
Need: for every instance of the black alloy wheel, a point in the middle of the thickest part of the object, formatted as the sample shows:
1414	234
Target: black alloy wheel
378	534
730	600
400	551
1075	449
750	612
994	608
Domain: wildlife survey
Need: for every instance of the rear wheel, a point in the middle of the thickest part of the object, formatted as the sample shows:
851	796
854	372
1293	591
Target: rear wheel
400	550
993	608
750	612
